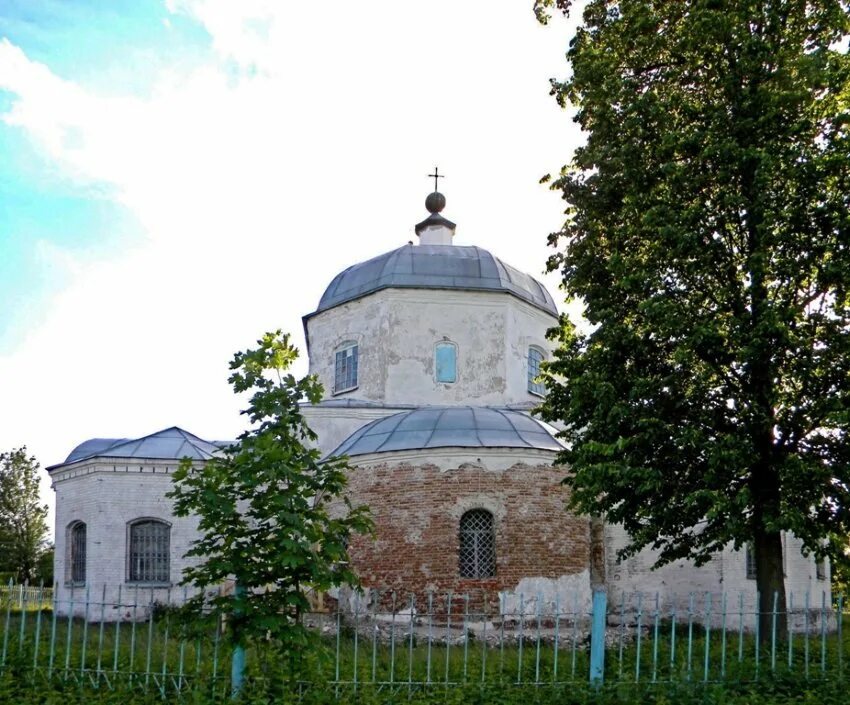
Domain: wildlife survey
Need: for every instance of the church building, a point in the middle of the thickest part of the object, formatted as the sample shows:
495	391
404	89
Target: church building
429	355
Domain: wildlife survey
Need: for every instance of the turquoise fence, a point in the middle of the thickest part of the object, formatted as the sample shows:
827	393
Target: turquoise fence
396	642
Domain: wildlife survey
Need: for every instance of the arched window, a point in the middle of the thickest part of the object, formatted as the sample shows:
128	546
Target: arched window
149	551
535	357
445	362
346	360
77	552
477	545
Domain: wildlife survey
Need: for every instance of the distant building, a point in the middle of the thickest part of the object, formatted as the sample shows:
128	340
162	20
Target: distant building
429	355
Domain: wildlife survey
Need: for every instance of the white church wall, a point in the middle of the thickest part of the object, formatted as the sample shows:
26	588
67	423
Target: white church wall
526	327
333	424
363	321
473	321
726	573
107	496
397	331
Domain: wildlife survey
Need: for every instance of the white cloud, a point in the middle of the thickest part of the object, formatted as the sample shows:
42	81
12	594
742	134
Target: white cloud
240	31
255	186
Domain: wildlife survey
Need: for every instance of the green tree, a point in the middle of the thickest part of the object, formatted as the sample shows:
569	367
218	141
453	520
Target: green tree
264	507
44	569
23	519
708	235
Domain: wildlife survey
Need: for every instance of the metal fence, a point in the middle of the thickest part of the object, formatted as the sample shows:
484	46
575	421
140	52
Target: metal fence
26	597
391	641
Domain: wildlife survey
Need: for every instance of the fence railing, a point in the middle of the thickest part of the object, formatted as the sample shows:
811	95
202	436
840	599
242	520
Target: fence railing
391	641
26	596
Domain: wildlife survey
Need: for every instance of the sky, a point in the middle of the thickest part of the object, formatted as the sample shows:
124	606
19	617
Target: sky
179	176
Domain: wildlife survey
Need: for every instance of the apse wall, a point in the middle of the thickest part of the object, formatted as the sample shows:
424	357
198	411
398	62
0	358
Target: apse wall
108	495
418	499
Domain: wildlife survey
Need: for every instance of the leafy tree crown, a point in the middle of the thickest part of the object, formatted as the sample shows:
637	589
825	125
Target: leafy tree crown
271	515
708	236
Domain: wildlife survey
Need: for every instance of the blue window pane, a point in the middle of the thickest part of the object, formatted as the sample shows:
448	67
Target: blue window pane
446	362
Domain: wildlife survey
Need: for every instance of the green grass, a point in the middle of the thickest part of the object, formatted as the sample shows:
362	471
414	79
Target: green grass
29	692
141	654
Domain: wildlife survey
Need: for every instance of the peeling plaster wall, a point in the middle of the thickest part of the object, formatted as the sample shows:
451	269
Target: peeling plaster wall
561	595
526	326
333	425
397	331
726	572
363	321
417	508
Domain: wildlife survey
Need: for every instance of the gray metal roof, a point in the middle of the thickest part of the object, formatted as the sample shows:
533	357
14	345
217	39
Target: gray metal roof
169	444
451	426
435	267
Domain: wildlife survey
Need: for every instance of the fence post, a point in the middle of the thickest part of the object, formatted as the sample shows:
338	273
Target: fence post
597	637
237	666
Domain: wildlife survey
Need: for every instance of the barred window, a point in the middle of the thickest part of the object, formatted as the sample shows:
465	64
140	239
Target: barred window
149	551
77	544
346	361
446	362
535	357
750	559
477	545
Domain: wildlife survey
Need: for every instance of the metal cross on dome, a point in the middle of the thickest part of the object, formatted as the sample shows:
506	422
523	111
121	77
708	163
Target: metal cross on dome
436	175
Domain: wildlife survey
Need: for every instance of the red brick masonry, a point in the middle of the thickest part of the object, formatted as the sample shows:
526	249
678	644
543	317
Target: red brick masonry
417	510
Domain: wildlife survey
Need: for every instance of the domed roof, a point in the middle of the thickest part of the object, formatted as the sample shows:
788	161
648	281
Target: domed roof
435	267
169	444
451	427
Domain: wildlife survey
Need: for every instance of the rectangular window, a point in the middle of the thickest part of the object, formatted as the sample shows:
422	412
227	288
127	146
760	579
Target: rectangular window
149	552
446	359
345	369
750	557
535	357
820	568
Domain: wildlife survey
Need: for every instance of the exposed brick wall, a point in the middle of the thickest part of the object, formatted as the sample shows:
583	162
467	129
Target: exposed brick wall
417	510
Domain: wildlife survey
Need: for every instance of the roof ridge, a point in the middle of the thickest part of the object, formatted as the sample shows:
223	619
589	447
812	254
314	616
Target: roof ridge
190	437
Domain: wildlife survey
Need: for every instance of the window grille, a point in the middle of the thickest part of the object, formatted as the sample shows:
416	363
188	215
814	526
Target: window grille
535	357
477	545
750	558
345	368
446	362
77	540
149	552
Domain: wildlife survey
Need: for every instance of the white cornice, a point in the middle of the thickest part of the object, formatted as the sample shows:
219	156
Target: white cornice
494	459
103	466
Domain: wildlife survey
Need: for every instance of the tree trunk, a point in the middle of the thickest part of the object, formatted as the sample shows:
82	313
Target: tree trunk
770	583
